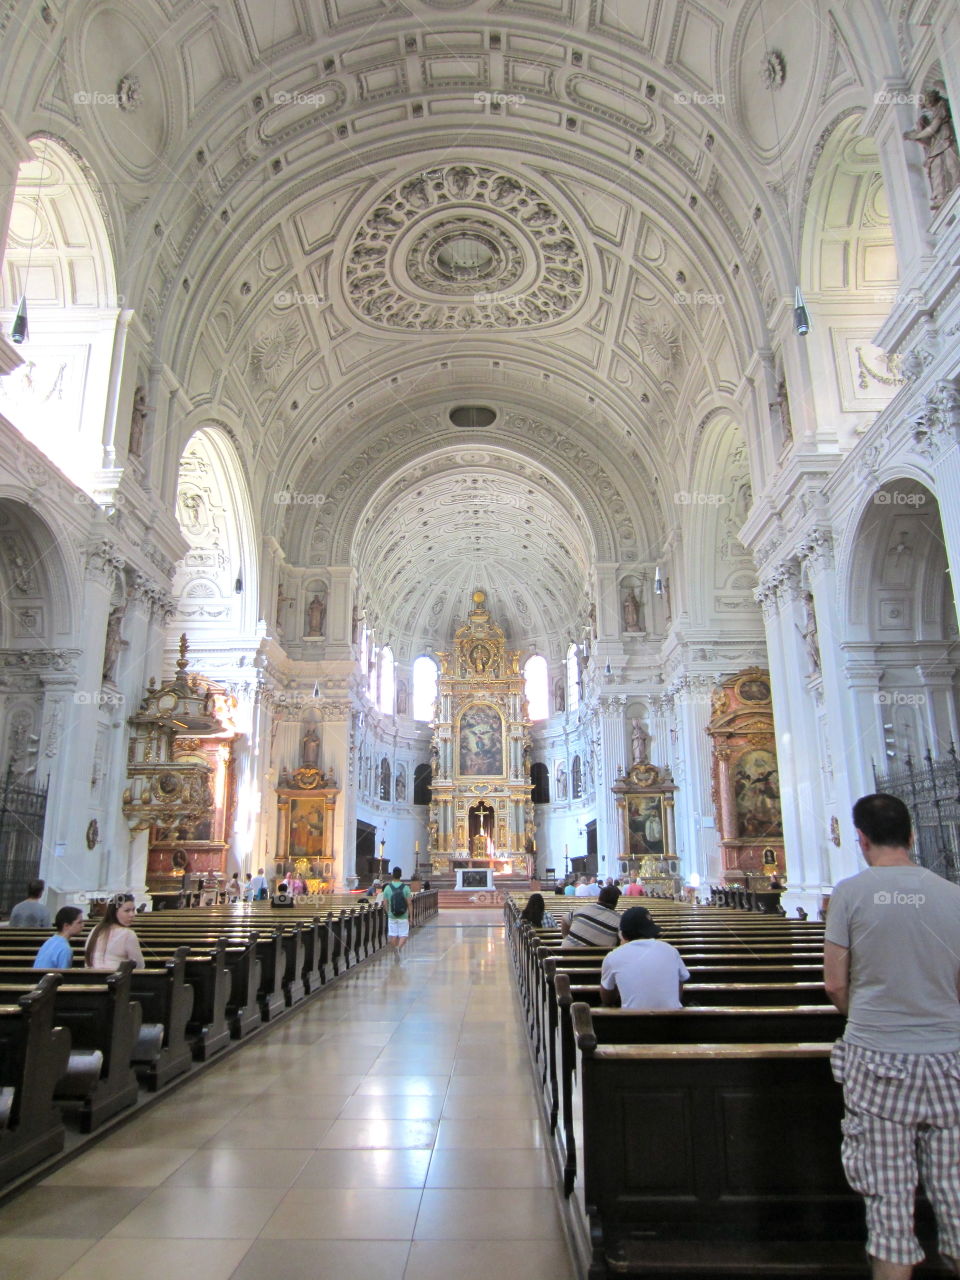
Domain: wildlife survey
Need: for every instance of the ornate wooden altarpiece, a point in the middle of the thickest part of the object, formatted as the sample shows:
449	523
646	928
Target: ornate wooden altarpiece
645	798
306	801
481	811
745	779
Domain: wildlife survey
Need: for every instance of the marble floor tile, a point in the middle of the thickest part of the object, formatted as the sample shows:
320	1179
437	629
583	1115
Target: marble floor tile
189	1213
150	1259
347	1259
337	1213
370	1167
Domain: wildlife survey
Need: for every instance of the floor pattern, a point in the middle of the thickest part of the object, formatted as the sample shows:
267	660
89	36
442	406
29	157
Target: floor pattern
389	1131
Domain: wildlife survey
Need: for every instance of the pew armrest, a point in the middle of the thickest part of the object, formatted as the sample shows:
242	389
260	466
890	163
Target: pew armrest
583	1027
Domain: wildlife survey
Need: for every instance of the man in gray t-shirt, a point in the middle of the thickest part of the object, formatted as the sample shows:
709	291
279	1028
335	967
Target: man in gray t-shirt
31	913
892	964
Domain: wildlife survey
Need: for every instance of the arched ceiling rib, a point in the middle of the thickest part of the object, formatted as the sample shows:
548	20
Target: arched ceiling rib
423	546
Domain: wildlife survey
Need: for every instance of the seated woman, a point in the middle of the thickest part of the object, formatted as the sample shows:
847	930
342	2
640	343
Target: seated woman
535	913
113	941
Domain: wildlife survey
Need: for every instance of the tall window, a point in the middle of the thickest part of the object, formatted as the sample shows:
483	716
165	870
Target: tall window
424	688
535	676
387	680
573	678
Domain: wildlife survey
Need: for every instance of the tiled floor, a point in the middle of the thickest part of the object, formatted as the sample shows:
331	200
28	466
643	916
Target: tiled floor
387	1132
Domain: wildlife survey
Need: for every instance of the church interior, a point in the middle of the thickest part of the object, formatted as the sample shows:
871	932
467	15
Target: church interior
509	440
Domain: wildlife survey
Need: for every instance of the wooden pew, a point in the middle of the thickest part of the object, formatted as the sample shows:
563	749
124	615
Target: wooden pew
97	1010
165	1001
33	1057
715	1160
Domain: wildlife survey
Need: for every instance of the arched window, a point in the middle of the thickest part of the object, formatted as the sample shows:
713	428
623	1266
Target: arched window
535	676
540	777
424	688
573	678
422	777
576	770
387	680
384	779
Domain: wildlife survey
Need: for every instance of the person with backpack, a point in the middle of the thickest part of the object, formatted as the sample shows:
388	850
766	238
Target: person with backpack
396	899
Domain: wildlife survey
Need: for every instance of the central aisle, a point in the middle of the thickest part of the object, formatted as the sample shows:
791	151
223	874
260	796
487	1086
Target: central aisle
389	1131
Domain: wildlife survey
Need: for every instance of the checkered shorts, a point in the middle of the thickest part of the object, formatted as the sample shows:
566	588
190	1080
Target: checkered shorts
902	1124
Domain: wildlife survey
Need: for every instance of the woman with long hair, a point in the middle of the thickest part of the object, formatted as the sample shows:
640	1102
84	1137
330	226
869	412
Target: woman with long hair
535	913
113	941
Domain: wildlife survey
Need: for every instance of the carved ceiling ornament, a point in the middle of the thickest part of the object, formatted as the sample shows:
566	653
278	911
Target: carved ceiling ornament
464	247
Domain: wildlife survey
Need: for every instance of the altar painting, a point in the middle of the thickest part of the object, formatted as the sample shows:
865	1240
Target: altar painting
306	827
645	825
481	742
757	795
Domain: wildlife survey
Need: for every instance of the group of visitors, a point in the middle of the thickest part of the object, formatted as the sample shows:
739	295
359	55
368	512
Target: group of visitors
589	886
111	941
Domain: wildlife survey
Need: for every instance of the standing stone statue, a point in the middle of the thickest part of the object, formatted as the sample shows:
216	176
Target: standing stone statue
640	742
631	611
316	616
138	422
113	642
809	634
936	135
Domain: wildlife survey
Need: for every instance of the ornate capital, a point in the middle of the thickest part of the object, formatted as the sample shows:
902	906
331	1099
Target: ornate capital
103	561
816	547
936	424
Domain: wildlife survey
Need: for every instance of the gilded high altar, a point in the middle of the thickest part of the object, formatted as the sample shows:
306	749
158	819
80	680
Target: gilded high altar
481	811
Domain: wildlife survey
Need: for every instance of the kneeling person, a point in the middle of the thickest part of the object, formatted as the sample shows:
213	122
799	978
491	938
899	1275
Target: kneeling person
647	973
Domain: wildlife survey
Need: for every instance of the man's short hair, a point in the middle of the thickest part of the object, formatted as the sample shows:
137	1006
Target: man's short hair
608	896
397	873
65	916
884	820
636	923
35	888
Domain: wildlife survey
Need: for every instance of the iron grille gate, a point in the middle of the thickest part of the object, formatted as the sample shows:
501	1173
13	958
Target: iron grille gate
931	790
22	811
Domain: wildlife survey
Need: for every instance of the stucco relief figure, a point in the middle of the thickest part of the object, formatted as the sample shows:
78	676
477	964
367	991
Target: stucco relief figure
403	698
559	695
936	135
561	782
138	422
639	742
631	611
400	786
192	504
316	616
809	634
310	749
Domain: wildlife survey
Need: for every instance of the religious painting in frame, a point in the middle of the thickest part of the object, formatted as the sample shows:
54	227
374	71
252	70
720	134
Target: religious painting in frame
306	828
756	789
645	825
480	745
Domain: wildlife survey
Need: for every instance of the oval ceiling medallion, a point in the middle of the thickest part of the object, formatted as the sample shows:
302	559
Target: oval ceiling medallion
464	247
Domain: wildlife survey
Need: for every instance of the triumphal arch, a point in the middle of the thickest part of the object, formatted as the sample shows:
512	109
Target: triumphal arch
481	813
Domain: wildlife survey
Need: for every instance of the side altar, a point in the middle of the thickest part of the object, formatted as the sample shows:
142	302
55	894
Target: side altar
645	798
481	811
306	804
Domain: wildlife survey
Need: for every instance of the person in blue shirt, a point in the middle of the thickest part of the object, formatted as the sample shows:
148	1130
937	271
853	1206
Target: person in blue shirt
56	952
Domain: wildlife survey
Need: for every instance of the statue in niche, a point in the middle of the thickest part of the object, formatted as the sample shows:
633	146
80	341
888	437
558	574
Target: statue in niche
316	616
809	634
631	612
400	786
310	749
113	642
355	625
559	695
282	599
639	742
435	760
138	422
936	135
561	782
403	702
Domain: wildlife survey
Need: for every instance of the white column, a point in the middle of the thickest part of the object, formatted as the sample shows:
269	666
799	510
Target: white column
697	845
612	752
